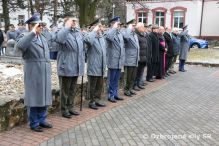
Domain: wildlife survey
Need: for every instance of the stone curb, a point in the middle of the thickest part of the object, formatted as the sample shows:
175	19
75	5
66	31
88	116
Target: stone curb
205	64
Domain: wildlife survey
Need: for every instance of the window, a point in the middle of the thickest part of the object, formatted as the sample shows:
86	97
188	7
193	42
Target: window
159	18
2	20
178	19
20	18
142	17
178	15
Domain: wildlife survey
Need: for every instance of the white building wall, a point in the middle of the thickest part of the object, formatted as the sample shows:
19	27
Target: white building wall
192	18
210	24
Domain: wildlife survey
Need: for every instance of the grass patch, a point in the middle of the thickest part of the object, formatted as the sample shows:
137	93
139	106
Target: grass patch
204	55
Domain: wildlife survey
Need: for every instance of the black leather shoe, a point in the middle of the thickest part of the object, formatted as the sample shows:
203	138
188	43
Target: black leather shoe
151	80
143	84
136	88
46	125
133	93
118	98
158	77
37	129
172	72
128	94
93	106
140	87
74	113
67	115
182	70
167	74
100	104
112	100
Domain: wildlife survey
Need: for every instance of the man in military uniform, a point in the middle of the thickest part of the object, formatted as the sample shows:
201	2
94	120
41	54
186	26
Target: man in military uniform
12	33
37	73
131	57
21	28
115	58
96	63
70	63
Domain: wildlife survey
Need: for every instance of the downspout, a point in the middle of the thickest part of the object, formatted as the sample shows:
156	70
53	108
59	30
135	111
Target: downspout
200	31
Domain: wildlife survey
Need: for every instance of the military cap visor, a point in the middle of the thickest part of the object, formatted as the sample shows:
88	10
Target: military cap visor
95	22
33	20
185	27
155	27
131	22
115	19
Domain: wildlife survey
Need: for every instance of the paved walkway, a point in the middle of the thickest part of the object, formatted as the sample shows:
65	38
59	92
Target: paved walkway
181	110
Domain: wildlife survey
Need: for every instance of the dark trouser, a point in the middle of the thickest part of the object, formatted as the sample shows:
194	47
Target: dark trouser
169	61
113	80
1	50
173	61
140	72
37	115
67	92
181	64
95	86
160	68
130	74
150	70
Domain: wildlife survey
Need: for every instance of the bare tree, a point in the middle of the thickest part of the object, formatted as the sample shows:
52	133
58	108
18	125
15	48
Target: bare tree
87	10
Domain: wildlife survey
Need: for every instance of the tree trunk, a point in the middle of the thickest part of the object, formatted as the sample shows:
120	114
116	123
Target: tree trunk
87	9
31	7
55	2
6	13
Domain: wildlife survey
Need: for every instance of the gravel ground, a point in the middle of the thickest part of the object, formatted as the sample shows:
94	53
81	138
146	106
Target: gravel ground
12	86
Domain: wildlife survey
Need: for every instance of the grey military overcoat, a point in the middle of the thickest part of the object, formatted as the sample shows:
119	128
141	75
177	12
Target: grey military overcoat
184	45
37	69
96	54
115	49
131	48
71	57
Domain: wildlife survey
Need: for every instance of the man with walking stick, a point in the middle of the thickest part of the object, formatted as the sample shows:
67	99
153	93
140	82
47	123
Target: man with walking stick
70	63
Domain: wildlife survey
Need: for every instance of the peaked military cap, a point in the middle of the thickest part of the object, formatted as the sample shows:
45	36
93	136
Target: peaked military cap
131	22
70	15
115	19
154	27
52	25
95	22
148	26
185	27
34	19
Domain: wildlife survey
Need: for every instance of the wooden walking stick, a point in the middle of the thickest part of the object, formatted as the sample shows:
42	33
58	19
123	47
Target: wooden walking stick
82	87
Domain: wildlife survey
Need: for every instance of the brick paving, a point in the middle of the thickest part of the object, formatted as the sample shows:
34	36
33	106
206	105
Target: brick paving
181	110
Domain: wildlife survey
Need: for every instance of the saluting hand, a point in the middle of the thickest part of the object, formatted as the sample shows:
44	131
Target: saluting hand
116	25
68	23
37	29
96	28
130	26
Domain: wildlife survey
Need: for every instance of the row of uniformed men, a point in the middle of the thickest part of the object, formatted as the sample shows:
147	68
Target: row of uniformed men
115	50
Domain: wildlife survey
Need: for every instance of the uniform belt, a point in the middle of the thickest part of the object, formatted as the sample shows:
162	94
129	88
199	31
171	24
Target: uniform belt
36	60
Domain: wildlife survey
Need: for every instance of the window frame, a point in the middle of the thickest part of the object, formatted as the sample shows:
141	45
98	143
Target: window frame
159	9
142	10
175	9
21	20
